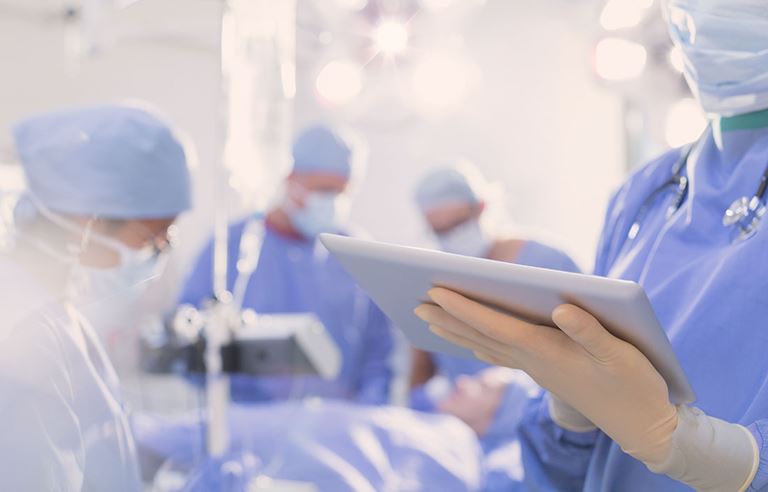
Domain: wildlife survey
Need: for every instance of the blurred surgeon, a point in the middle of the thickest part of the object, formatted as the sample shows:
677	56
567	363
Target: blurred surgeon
104	185
296	274
452	200
690	227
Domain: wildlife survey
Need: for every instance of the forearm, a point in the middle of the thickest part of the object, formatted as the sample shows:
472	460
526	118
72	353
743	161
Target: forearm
706	453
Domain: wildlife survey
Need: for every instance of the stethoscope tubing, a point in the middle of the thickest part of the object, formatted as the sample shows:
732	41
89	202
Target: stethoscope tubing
682	184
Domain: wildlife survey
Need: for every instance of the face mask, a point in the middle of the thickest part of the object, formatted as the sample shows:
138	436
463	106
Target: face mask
322	212
467	238
725	49
108	296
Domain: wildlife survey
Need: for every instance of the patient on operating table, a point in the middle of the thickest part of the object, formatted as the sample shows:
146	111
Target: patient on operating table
468	444
486	401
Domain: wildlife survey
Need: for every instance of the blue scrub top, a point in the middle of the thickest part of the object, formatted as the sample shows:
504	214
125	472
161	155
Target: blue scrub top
298	276
708	292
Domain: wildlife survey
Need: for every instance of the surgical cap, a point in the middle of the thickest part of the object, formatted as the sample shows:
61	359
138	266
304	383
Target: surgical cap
459	183
319	149
116	162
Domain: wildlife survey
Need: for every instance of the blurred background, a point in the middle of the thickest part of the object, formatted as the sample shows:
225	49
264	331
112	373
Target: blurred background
556	101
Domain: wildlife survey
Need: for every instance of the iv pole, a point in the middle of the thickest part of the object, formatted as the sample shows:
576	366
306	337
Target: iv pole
249	28
217	327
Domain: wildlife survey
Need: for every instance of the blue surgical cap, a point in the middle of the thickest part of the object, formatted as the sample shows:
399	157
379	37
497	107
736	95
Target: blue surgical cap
116	162
458	183
319	149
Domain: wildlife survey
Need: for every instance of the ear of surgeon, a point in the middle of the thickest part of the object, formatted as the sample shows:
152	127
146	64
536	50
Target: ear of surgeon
596	380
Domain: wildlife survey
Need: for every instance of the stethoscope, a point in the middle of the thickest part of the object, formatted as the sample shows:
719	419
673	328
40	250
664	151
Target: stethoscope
744	214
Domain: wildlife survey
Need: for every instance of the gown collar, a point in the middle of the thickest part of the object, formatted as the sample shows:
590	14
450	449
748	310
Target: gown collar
747	121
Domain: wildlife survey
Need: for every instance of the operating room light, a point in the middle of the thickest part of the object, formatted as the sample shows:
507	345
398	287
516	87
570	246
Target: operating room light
435	5
684	123
623	14
619	59
390	37
352	5
339	81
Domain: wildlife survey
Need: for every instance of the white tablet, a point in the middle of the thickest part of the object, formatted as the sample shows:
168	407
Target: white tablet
398	277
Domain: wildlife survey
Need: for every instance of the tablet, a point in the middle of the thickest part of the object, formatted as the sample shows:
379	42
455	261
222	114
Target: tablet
397	278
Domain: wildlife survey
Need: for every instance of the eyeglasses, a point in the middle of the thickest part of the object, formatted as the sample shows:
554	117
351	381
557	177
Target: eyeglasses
162	242
156	243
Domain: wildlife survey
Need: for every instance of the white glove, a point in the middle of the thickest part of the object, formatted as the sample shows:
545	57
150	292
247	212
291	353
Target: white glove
709	454
604	379
566	417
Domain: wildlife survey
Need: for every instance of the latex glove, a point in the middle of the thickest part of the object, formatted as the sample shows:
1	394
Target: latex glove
605	379
566	416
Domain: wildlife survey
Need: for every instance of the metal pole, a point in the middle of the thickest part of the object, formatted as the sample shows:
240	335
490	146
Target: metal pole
217	327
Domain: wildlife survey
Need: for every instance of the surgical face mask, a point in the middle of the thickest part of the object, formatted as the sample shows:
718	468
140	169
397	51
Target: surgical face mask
322	212
467	238
108	296
724	44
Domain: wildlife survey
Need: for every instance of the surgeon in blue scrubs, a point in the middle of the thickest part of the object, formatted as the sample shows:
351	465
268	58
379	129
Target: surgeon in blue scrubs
452	199
296	274
700	249
104	185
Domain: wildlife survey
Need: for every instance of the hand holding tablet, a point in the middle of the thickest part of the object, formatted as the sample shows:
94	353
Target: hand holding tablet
606	379
613	321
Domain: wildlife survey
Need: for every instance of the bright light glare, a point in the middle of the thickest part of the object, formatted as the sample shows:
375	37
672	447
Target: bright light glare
685	122
623	14
435	5
354	5
340	81
390	37
676	59
619	59
441	82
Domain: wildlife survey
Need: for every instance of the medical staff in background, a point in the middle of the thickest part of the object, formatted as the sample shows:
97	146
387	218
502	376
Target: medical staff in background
295	274
690	228
453	199
105	183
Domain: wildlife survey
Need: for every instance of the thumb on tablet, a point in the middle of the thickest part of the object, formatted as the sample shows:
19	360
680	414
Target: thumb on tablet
584	329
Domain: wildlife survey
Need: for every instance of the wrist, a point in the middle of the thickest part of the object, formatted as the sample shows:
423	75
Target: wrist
709	454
